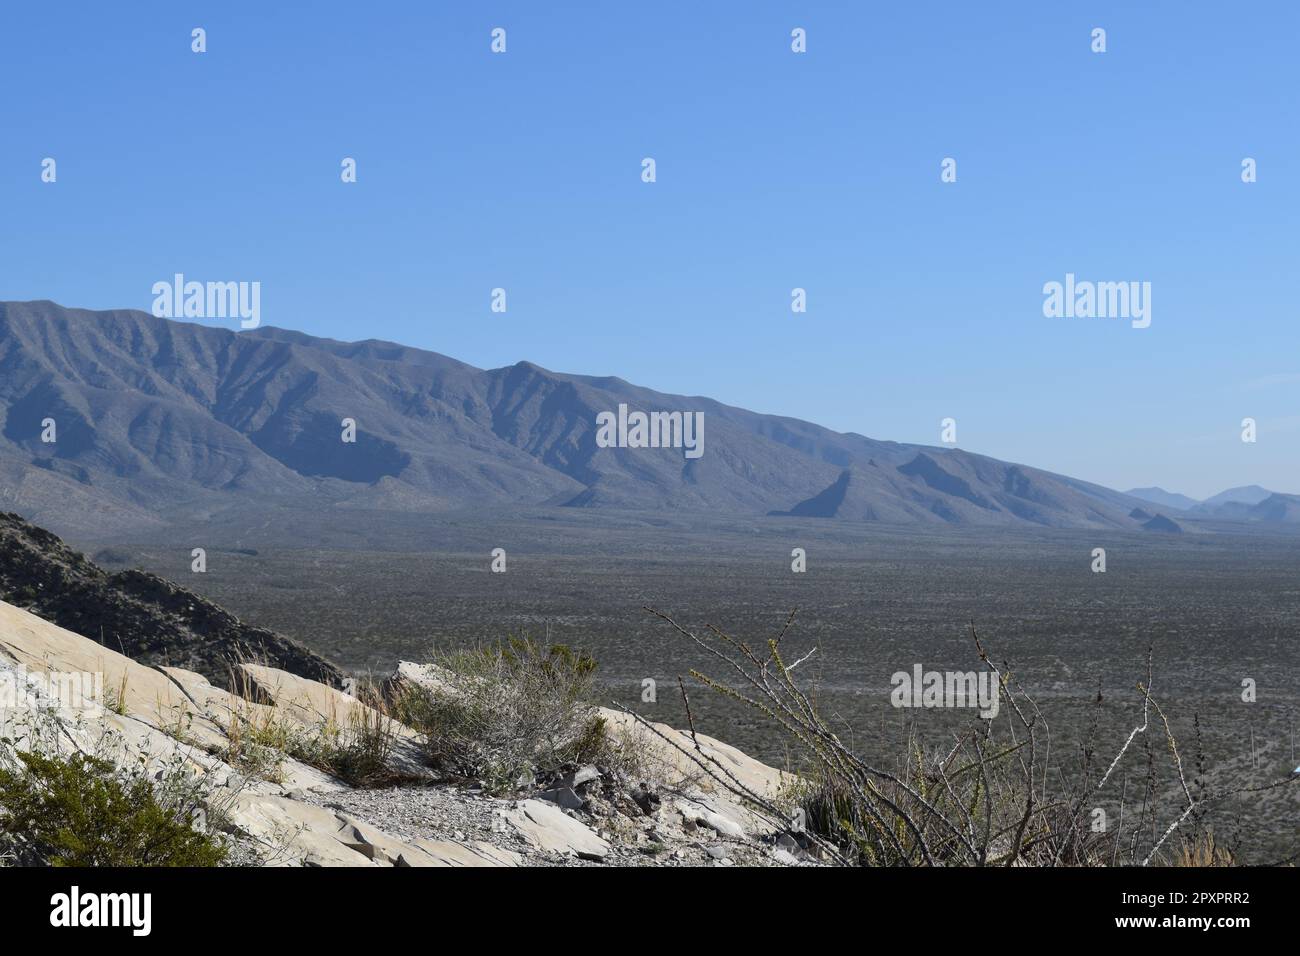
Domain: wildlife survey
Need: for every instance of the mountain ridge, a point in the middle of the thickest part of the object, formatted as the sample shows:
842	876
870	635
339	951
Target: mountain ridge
153	413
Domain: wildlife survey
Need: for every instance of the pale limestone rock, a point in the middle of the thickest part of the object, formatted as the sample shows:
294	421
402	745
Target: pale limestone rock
133	689
700	813
547	827
291	833
314	704
371	842
453	853
429	677
171	716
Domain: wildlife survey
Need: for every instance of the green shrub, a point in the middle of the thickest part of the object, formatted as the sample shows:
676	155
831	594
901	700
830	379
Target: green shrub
78	812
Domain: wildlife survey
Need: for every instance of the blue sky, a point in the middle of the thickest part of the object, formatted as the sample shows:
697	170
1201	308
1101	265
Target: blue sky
775	170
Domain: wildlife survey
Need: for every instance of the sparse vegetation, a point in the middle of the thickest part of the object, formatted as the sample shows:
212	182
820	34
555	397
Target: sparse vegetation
115	696
357	752
989	797
509	714
356	749
258	744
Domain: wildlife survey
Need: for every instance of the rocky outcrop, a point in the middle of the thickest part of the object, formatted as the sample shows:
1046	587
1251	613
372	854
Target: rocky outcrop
155	719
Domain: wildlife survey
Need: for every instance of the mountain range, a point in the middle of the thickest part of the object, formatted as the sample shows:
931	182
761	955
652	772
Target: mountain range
1246	503
150	414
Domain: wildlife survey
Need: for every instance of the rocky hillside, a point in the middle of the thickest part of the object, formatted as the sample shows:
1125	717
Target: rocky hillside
152	414
165	721
137	613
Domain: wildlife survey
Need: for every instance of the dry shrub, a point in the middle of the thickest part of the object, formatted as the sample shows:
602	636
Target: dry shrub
989	796
509	714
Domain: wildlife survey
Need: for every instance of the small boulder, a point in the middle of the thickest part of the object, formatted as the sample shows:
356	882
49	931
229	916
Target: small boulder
546	827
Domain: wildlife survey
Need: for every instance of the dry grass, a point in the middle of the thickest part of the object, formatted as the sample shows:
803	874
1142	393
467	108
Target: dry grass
1205	851
356	748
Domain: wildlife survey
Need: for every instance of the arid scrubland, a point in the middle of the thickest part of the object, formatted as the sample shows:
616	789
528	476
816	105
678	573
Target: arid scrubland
503	756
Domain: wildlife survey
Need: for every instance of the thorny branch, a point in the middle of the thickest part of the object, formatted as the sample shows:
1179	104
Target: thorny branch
981	802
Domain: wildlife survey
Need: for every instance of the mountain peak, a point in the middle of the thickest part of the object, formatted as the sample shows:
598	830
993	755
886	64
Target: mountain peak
1245	494
1166	499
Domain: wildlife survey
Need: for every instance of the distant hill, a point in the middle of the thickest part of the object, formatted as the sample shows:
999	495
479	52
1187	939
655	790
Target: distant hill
1166	499
1162	524
154	415
1246	495
137	613
1276	509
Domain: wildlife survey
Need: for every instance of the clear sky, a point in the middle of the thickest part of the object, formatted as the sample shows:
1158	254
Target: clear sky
775	170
